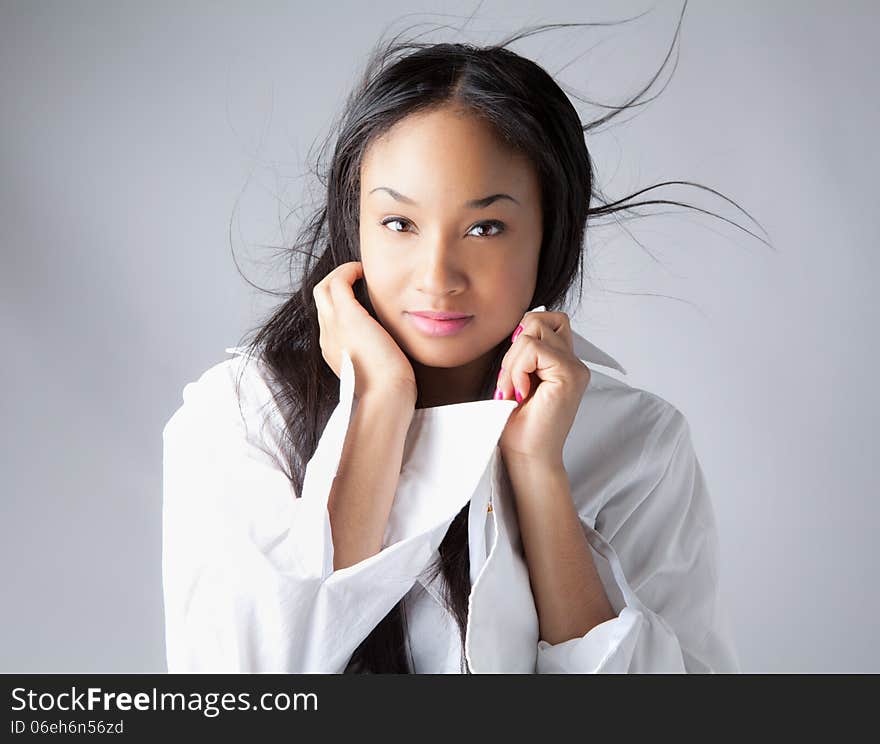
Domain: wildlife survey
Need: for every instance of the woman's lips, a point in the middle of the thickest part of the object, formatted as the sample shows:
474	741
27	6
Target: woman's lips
438	327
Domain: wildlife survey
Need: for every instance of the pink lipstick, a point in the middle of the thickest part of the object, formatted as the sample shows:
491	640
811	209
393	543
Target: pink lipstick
433	323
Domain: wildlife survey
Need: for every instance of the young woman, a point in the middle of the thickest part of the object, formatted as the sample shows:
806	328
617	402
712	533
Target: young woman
415	465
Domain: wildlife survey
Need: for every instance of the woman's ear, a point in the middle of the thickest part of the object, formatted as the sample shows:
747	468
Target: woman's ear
362	295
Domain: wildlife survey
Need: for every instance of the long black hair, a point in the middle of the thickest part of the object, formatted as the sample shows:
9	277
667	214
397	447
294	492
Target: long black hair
530	112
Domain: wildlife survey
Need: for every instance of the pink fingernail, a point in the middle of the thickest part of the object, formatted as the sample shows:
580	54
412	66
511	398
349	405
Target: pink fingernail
498	394
516	333
519	398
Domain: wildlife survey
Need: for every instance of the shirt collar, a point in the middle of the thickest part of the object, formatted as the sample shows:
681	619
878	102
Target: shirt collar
589	352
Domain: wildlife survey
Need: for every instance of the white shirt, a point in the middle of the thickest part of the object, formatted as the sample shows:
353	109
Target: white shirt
247	566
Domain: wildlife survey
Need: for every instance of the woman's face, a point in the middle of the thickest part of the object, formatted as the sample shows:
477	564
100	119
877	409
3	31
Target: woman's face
425	248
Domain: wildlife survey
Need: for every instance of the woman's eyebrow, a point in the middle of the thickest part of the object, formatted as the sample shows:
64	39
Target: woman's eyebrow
472	204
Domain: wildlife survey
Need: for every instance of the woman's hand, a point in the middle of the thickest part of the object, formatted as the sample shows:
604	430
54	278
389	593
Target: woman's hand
379	364
541	366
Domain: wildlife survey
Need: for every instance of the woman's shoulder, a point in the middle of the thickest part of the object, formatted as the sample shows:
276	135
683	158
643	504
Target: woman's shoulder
609	401
231	398
613	411
621	433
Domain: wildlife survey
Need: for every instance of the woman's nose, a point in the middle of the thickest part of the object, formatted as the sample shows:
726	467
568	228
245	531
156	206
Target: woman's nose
440	272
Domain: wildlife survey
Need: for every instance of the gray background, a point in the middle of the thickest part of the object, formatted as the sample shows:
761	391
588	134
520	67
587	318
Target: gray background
141	142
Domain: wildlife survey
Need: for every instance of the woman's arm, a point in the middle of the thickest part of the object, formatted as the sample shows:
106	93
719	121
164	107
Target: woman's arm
363	491
655	546
569	595
247	563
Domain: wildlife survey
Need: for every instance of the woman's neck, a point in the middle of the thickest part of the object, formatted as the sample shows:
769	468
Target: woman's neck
442	386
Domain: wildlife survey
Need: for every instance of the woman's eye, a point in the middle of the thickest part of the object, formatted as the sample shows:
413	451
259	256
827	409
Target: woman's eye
395	219
498	226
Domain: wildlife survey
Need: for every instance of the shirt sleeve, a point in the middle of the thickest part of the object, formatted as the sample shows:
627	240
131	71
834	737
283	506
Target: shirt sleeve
247	565
660	571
